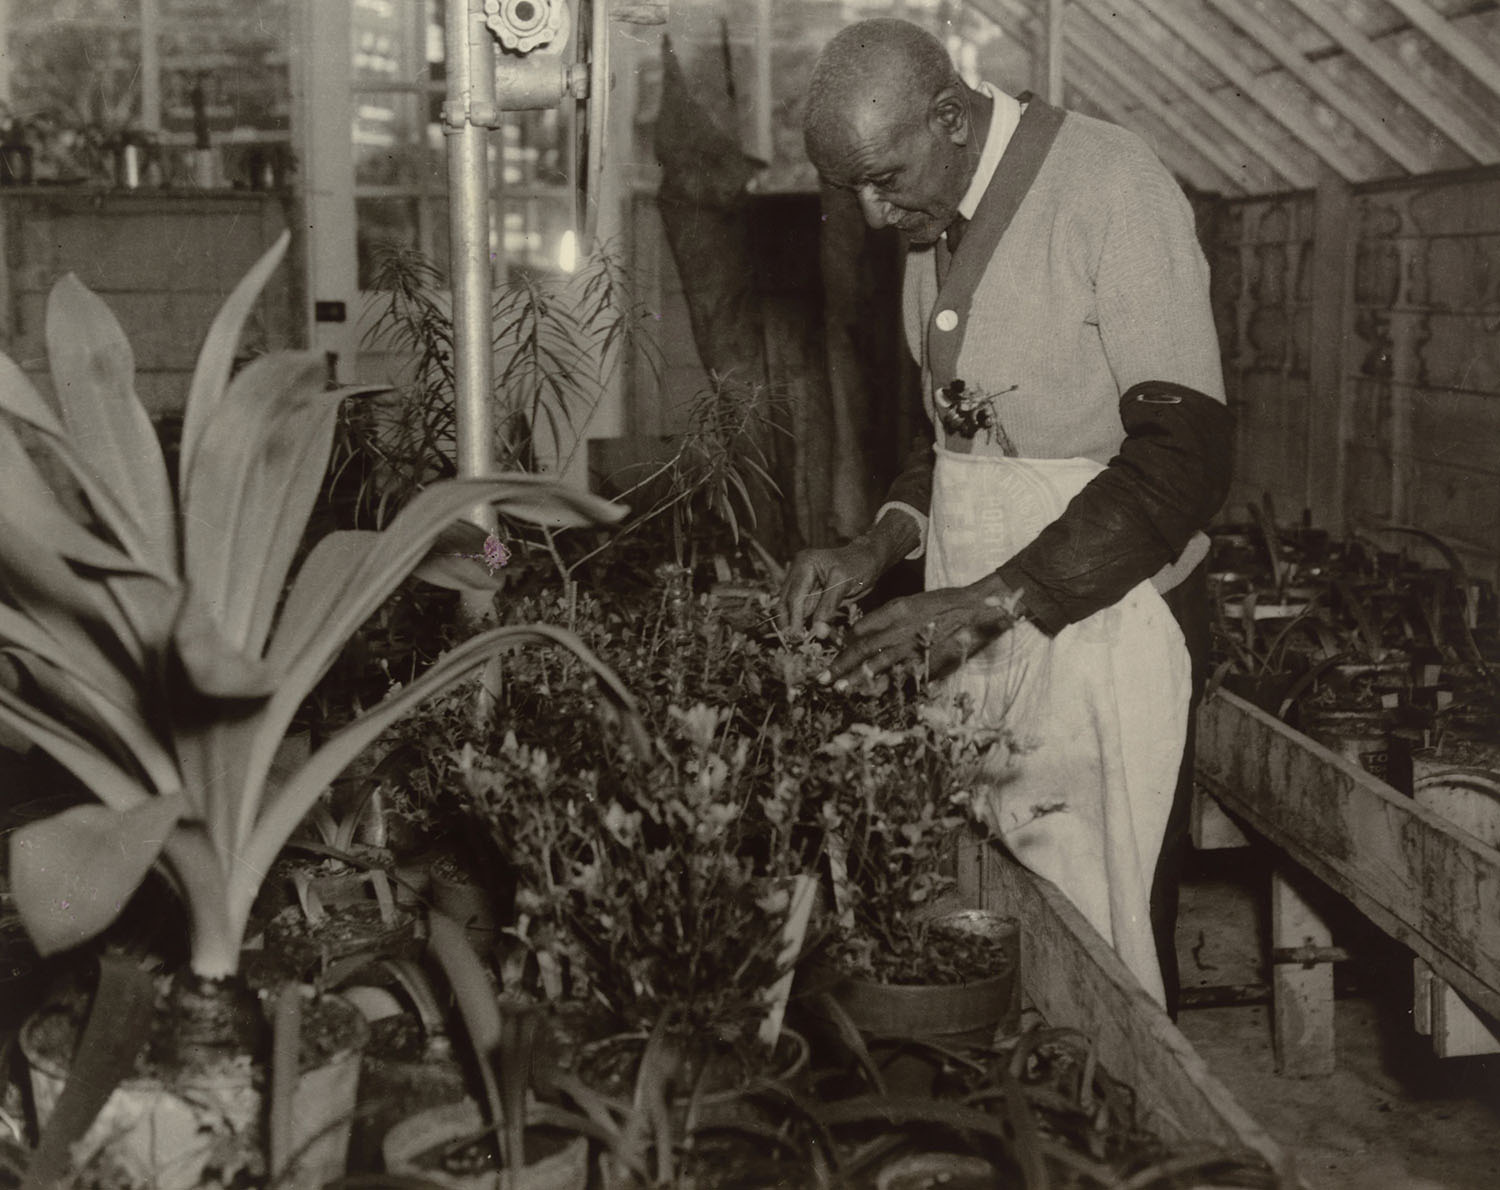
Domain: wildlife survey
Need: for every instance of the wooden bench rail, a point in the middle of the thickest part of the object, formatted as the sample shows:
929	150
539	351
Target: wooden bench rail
1074	978
1429	885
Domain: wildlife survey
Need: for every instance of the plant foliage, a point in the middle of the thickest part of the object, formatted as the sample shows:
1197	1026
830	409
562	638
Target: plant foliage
166	642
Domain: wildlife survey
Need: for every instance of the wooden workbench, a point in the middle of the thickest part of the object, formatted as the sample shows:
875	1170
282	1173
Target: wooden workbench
1074	978
1428	884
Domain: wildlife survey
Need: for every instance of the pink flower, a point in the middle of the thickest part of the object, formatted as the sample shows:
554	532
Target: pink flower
496	554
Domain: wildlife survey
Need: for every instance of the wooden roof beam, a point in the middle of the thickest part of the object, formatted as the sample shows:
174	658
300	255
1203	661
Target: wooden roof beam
1128	34
1203	43
1479	143
1315	80
1456	44
1200	142
1176	154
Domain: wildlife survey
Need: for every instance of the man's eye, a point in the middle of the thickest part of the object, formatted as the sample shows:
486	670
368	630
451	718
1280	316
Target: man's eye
884	182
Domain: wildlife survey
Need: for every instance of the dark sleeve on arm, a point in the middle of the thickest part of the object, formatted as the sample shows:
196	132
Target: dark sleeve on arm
913	485
1169	479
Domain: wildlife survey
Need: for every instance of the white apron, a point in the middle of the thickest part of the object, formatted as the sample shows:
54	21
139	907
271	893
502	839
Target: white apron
1099	712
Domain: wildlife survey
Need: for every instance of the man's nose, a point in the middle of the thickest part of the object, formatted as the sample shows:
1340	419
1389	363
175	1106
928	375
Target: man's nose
877	212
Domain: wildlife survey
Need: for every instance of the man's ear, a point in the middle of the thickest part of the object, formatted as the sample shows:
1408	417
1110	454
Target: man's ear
948	117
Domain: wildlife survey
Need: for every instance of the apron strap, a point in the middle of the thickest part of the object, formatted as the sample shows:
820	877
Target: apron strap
960	272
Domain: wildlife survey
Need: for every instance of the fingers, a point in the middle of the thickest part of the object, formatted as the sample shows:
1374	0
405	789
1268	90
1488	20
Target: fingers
795	593
875	653
834	593
882	619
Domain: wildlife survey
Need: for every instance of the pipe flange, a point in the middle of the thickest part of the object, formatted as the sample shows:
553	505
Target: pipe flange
523	25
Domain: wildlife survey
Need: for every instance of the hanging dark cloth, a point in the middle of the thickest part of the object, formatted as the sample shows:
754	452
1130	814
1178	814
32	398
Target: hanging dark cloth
703	203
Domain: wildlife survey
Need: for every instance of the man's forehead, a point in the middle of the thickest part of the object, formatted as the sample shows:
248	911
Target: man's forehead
876	107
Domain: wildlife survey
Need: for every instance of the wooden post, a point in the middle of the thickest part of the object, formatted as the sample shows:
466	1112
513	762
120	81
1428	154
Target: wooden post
1332	305
1303	1011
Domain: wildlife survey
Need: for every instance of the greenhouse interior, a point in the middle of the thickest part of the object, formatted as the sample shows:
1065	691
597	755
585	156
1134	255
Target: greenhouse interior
540	649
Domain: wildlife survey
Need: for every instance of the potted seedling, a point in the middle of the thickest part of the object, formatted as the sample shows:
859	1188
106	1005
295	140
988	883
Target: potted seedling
166	655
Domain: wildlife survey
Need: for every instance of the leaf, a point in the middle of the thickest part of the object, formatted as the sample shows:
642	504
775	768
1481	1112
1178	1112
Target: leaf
27	635
222	536
93	377
105	779
397	550
213	666
18	397
71	874
286	1039
282	495
456	560
72	609
325	575
119	1024
477	1008
133	739
26	495
470	982
216	357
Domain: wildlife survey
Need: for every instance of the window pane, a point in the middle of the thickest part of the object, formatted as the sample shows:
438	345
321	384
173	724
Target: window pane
396	144
534	149
388	42
534	232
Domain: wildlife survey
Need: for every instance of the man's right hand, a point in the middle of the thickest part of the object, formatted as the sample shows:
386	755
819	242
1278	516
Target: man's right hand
819	580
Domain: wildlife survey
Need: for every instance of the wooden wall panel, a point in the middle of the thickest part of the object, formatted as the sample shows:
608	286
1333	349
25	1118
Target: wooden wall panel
1417	439
163	263
1260	258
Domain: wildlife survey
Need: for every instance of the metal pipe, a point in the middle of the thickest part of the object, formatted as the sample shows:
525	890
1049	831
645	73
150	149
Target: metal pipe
470	105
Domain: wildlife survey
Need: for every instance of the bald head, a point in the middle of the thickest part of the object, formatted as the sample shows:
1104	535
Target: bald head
885	71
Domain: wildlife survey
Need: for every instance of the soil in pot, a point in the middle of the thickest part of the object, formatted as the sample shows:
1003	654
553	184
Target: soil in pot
302	948
961	988
201	1126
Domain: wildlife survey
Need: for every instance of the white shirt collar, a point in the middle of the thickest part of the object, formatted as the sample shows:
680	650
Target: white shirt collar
1004	117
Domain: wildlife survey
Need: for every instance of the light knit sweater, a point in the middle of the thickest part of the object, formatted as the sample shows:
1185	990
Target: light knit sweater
1098	284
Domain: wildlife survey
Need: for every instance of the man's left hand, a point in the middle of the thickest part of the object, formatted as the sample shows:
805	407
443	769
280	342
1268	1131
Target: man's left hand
950	625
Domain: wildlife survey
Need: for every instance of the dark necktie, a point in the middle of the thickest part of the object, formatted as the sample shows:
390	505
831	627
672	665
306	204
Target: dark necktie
955	233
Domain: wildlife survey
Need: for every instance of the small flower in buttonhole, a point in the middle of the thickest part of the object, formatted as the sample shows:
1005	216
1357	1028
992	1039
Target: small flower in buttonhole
965	410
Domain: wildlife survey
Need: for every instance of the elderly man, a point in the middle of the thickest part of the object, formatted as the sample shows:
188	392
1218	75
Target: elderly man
1057	301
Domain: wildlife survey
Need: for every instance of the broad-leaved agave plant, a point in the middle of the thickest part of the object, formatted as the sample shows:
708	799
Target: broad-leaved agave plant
164	655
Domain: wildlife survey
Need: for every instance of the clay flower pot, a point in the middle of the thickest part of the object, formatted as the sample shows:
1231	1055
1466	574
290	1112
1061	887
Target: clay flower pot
949	1015
189	1129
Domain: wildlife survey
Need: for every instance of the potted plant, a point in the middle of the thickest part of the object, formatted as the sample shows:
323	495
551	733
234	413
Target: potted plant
904	961
165	655
669	890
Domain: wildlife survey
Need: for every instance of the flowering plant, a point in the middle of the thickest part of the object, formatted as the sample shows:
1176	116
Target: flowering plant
891	801
965	411
662	885
663	888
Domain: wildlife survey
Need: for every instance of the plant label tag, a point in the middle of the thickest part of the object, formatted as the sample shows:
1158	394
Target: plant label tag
838	869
